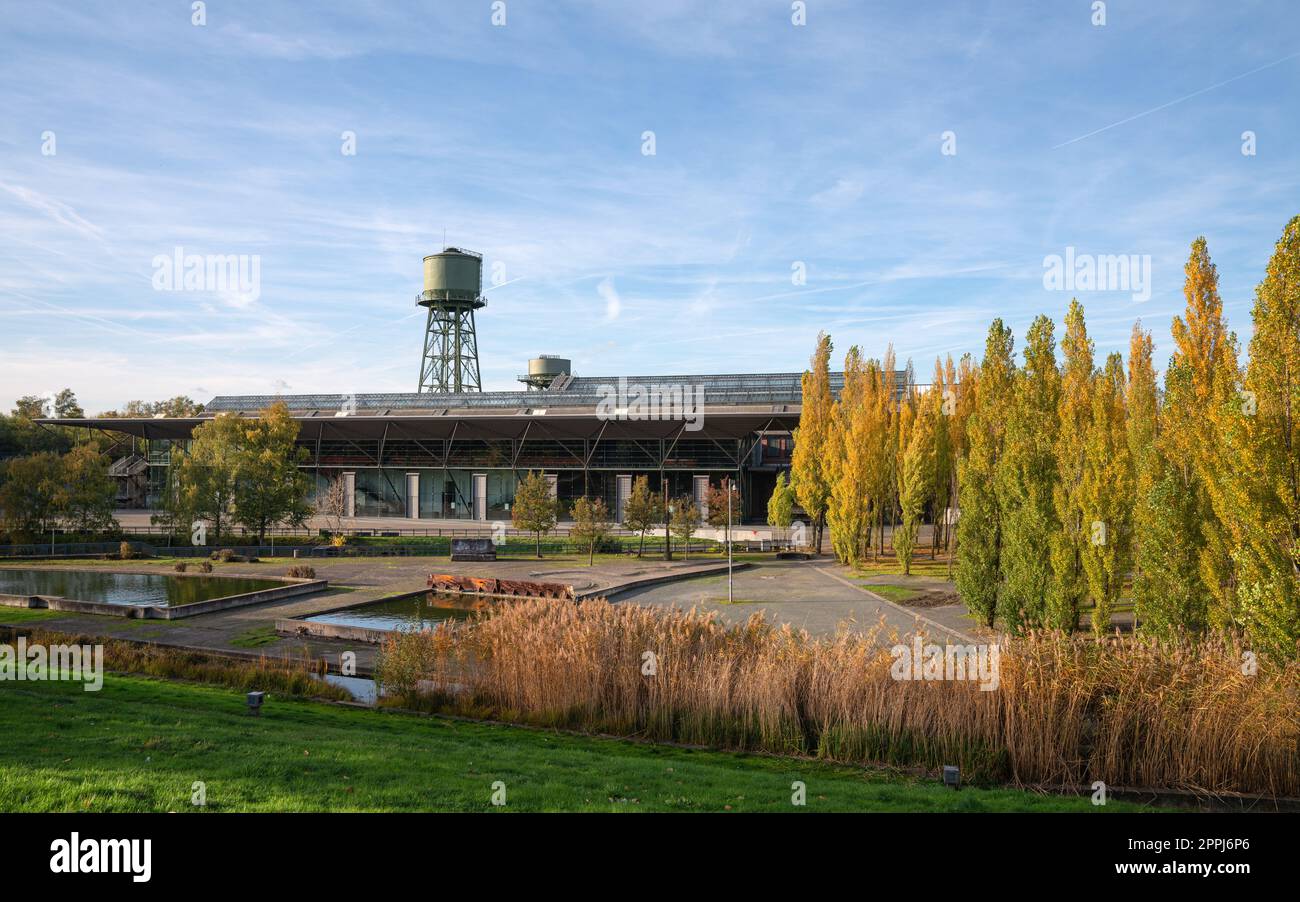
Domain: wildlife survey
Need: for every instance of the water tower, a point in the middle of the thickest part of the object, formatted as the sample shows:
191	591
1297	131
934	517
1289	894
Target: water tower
546	370
453	286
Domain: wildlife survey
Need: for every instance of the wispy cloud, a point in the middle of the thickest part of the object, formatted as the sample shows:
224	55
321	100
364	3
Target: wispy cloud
777	144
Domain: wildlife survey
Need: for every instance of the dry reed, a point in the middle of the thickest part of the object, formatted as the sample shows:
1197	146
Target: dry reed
1129	711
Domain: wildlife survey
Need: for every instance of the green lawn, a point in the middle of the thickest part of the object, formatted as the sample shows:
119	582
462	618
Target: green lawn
27	615
893	593
921	566
139	744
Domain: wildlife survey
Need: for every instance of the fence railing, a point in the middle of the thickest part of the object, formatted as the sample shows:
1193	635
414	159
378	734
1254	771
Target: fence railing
516	546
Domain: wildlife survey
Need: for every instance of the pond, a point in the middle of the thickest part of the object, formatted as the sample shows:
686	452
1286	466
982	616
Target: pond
108	587
422	610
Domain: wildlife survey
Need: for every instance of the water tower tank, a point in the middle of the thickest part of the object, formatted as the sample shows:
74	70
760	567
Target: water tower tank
453	277
545	369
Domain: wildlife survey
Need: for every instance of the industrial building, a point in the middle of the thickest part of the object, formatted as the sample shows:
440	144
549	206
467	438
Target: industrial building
452	451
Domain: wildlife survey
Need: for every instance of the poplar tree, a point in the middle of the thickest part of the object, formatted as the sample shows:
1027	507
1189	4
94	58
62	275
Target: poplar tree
979	538
1069	585
1107	492
1026	479
958	403
1141	429
917	483
780	507
1262	505
809	463
1168	592
850	449
1206	355
942	488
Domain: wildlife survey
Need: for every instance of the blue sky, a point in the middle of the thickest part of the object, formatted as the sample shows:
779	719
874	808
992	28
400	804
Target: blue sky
774	144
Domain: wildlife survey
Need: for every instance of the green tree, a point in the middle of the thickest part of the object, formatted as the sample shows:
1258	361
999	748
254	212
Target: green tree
1169	593
270	487
206	474
780	507
808	469
1141	424
1069	586
918	481
685	521
28	508
1197	414
66	406
86	495
590	524
851	449
641	510
1026	480
1259	498
534	509
1108	492
979	536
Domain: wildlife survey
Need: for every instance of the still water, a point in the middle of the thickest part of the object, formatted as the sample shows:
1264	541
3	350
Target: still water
409	612
152	589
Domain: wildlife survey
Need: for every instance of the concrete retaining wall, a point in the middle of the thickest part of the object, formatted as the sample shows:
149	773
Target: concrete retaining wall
291	588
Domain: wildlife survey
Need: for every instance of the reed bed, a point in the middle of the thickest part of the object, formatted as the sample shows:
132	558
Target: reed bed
287	674
1167	714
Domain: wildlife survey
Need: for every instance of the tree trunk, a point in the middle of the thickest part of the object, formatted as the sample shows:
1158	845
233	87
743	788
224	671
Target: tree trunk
641	550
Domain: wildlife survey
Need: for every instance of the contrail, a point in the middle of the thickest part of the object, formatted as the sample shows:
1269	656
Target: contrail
1163	106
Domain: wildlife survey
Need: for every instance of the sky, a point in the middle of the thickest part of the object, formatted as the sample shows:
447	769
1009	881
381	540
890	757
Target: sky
891	172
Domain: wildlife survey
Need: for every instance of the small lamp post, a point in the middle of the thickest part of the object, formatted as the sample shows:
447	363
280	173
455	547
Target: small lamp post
727	532
951	777
255	703
668	531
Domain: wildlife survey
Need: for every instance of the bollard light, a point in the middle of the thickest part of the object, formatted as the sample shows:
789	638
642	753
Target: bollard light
951	776
255	702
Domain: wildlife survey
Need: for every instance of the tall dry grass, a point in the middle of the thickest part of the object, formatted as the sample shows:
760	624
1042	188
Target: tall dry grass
1131	712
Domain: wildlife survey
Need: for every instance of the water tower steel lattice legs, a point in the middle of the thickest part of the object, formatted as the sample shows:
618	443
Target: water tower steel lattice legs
453	284
450	351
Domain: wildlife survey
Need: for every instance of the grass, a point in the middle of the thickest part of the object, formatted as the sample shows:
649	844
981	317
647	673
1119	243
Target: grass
890	566
257	637
27	615
139	745
893	593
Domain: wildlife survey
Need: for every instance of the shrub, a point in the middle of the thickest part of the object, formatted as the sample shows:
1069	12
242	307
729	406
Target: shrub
302	571
205	566
126	552
181	567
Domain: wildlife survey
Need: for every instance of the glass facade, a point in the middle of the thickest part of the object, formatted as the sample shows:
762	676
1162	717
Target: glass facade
447	492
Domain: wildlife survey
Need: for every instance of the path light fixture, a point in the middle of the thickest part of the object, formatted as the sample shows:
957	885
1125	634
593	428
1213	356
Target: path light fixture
668	530
951	776
255	703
